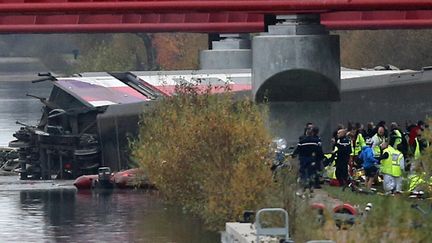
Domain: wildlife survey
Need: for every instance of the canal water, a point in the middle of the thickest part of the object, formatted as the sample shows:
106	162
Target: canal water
51	212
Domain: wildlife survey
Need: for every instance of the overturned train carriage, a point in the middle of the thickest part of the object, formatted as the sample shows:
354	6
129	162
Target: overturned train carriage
68	140
87	121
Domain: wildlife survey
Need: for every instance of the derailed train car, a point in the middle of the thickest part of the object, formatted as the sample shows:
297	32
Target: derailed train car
66	141
87	120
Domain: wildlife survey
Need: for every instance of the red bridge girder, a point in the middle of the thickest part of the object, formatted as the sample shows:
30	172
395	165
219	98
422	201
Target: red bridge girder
378	20
201	22
259	6
218	16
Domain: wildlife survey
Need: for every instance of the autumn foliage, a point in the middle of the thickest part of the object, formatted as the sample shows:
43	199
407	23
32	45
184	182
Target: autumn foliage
176	51
206	152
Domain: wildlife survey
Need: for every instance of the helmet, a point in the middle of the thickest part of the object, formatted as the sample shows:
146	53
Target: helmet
280	143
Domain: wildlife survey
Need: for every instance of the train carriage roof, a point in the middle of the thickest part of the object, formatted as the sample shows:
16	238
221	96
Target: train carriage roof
101	89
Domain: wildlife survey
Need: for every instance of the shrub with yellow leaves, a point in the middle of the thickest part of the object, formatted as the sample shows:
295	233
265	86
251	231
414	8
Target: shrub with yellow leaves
208	152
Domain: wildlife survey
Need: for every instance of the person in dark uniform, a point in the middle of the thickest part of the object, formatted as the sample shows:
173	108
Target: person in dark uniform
318	166
343	152
370	130
308	127
334	135
309	151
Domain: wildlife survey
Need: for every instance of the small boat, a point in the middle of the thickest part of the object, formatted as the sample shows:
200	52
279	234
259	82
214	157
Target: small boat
107	180
127	178
104	180
85	181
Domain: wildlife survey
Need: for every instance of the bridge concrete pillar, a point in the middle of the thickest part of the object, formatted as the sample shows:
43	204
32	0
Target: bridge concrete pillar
296	60
296	68
232	51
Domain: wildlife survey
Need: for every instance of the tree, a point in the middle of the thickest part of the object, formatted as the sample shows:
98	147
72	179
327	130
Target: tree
123	52
200	149
179	50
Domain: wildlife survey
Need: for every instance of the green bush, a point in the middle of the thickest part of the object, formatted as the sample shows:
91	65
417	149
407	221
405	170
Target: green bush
210	153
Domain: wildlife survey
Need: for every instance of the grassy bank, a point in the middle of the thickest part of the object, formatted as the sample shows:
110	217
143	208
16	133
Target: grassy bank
392	218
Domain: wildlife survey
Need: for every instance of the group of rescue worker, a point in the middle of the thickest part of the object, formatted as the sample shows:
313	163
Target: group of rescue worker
378	150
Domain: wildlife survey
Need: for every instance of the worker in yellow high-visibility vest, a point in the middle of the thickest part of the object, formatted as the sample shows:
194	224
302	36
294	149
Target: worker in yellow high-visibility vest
357	143
392	165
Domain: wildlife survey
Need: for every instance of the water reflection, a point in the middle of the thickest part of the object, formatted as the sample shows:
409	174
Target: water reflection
125	216
69	216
